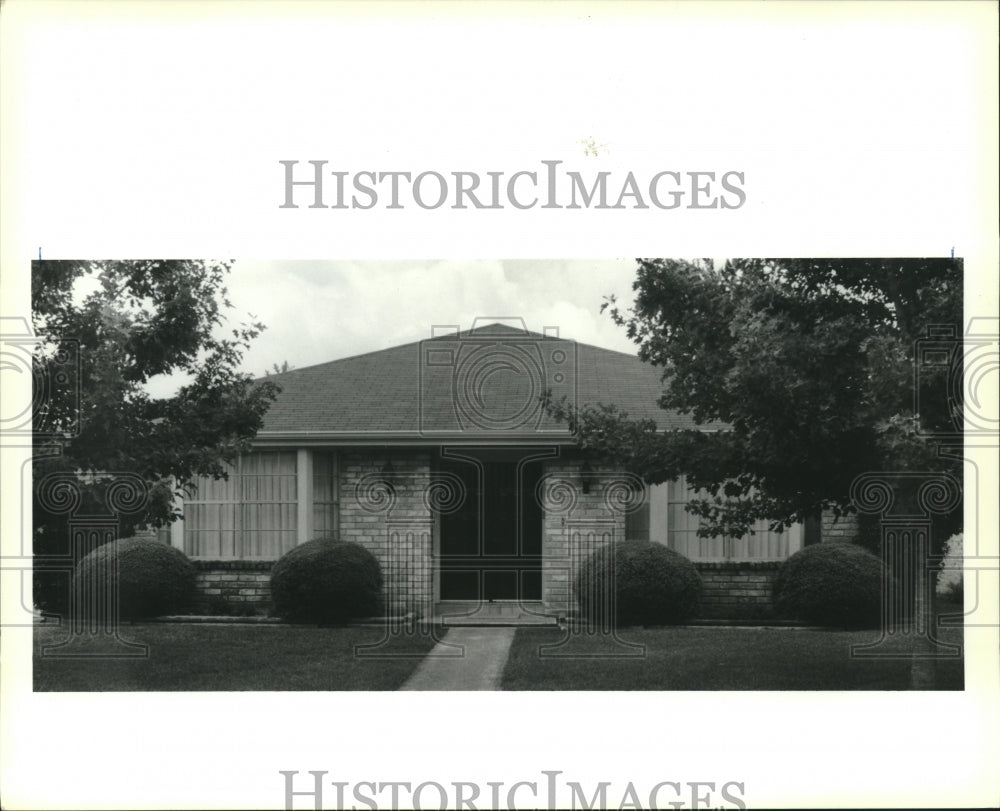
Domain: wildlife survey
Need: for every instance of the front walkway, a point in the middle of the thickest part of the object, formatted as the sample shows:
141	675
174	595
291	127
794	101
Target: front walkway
479	667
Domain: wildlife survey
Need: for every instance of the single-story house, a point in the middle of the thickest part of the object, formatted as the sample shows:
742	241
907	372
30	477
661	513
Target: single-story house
439	458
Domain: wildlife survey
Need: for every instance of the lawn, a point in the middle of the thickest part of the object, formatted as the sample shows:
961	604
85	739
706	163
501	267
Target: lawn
282	657
235	657
715	658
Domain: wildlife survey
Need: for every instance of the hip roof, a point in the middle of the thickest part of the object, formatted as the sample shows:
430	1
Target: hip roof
481	384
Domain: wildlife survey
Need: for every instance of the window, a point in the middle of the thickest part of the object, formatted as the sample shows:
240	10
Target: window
326	496
664	518
252	514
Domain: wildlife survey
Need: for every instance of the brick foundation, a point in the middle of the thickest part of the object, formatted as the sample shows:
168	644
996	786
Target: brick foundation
233	587
737	590
731	590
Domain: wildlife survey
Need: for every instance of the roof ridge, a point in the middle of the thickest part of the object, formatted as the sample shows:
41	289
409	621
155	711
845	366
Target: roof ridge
457	334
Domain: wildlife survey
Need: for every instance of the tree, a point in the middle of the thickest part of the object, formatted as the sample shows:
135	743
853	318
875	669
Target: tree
95	417
801	369
278	370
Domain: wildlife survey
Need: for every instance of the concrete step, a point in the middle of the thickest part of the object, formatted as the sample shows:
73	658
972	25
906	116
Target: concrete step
499	622
498	613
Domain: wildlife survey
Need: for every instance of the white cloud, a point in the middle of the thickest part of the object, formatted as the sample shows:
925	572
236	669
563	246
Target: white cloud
321	311
317	311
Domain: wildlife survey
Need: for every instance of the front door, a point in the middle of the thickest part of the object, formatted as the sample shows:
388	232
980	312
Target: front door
491	546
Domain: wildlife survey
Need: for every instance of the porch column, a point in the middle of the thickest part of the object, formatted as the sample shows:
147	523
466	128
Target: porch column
304	490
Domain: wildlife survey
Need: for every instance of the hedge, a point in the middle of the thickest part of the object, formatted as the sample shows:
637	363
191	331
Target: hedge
326	581
832	584
153	579
653	584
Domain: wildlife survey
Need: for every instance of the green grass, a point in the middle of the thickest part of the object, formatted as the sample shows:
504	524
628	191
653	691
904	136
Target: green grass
234	657
716	658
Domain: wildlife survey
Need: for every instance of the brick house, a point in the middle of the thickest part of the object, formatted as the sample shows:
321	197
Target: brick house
438	457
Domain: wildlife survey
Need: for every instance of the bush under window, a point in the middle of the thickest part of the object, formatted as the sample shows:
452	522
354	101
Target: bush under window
650	584
832	584
327	581
153	579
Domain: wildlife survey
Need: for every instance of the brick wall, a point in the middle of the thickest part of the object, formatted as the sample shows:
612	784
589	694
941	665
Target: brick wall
395	526
737	590
233	587
844	528
575	524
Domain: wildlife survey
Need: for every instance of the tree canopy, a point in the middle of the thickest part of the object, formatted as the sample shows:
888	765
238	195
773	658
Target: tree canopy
800	370
106	330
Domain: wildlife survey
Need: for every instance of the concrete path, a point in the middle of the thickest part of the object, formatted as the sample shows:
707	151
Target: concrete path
480	668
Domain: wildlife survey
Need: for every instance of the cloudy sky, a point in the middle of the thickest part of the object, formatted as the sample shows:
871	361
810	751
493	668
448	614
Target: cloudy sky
316	311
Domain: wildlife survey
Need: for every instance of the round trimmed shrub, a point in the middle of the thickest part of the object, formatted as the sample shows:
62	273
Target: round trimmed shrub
153	579
833	584
326	581
653	585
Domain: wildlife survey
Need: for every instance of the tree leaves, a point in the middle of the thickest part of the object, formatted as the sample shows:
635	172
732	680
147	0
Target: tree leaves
133	321
808	361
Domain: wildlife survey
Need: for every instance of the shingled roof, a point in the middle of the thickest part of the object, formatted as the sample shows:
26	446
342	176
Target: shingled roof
483	383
